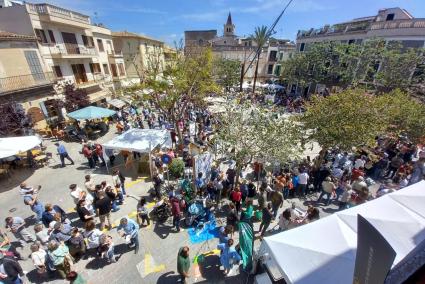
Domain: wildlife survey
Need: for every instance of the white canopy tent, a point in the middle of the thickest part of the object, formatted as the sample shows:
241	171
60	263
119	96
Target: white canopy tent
13	145
140	140
325	251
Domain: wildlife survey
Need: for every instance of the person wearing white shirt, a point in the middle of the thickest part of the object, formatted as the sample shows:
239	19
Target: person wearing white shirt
302	183
359	163
76	193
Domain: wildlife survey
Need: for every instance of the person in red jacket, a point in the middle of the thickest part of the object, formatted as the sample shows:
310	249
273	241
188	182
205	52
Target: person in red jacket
176	211
236	197
89	155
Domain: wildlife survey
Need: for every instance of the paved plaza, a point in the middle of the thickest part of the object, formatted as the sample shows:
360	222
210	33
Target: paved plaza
156	259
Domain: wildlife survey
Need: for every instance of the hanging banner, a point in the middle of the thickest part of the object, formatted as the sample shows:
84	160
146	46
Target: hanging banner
246	242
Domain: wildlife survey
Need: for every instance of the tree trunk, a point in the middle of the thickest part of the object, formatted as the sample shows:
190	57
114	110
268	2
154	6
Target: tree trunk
242	75
255	73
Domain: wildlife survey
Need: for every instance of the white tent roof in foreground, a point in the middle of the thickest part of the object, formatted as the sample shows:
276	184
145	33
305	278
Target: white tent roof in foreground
10	146
325	250
140	140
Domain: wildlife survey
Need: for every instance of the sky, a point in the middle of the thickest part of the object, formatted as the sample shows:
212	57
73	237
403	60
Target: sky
168	19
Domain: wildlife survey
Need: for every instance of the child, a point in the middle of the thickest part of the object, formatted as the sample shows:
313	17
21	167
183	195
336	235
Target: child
142	212
106	248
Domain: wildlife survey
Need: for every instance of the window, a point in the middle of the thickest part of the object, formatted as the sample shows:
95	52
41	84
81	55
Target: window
390	17
121	69
270	69
100	45
34	64
52	37
114	70
95	68
58	71
41	36
87	41
302	46
105	69
273	55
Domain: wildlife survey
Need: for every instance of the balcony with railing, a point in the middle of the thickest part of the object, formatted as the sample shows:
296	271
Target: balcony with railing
25	82
113	53
68	50
399	24
57	14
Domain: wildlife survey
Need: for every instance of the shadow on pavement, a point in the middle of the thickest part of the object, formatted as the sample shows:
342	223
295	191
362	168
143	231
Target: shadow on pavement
210	268
162	230
17	176
168	277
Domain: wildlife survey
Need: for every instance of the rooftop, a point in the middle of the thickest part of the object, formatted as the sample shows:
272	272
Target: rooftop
11	36
134	35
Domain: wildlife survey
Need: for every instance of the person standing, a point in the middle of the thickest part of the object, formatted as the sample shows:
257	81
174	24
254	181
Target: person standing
129	229
276	199
303	178
30	198
183	263
266	220
17	226
119	183
89	156
176	211
142	212
63	154
99	152
228	256
328	187
103	208
12	270
236	198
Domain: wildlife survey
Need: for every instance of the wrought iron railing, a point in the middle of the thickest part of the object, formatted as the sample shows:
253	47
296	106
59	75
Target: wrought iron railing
72	49
28	81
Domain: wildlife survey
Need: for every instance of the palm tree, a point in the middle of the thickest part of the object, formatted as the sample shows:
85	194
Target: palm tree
260	37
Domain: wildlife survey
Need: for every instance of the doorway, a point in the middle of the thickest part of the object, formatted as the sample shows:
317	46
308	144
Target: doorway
79	73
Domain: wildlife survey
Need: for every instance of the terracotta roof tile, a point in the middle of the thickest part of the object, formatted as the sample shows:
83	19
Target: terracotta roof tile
11	36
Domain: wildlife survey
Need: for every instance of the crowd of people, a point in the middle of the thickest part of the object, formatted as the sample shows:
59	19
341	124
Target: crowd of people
255	195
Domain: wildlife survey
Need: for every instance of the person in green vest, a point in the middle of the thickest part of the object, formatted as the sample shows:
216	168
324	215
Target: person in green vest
183	263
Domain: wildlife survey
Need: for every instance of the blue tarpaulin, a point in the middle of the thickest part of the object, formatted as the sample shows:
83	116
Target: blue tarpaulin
207	232
91	112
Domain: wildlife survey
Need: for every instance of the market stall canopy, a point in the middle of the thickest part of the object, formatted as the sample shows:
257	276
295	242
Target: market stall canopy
325	251
116	103
91	112
11	146
140	140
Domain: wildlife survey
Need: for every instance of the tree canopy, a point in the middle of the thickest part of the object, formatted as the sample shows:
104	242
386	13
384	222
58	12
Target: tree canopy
384	66
75	98
355	118
227	72
246	133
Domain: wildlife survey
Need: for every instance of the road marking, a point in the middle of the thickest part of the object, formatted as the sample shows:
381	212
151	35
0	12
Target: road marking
131	183
148	266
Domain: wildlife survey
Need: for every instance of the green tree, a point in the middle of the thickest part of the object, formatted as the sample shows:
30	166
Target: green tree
404	114
260	37
350	118
374	63
397	67
183	83
227	72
